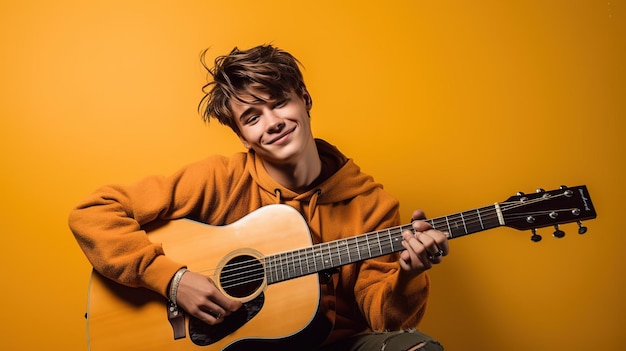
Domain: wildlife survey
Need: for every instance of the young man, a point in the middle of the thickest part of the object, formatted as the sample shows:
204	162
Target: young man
260	94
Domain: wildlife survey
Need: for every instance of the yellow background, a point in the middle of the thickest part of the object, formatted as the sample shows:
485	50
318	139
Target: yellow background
451	104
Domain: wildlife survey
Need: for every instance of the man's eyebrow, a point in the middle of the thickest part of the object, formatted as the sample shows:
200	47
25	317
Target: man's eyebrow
253	103
246	113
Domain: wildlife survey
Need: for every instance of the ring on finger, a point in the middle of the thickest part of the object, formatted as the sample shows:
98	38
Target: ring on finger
436	254
217	315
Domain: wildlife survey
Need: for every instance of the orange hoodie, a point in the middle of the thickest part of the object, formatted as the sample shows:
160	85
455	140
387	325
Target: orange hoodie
221	190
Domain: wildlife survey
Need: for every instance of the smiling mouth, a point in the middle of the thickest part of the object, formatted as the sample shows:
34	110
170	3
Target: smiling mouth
281	136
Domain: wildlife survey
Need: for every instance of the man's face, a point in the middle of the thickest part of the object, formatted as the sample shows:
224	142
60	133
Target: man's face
278	130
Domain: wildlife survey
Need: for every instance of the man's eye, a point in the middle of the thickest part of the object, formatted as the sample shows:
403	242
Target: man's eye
280	103
252	119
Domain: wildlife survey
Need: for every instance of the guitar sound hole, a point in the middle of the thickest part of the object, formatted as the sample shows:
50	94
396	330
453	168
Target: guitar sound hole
242	276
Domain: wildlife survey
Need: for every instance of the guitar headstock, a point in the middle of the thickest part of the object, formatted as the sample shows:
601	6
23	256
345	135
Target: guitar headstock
548	208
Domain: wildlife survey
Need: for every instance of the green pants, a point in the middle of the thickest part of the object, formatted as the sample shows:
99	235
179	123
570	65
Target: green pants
386	341
375	341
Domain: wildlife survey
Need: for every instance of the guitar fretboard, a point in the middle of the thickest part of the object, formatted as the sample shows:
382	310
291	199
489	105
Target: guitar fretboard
333	254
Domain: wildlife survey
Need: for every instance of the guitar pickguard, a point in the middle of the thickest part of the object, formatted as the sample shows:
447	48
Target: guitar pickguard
203	334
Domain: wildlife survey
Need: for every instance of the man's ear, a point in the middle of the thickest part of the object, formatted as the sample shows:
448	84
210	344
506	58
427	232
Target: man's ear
308	101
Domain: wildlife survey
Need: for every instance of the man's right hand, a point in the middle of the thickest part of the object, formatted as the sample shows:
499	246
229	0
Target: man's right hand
199	297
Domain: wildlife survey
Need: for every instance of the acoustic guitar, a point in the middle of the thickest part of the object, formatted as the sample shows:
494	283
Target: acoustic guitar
249	258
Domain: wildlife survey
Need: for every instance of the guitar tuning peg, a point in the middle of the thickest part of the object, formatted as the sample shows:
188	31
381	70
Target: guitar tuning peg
563	187
519	193
558	233
539	191
535	237
581	228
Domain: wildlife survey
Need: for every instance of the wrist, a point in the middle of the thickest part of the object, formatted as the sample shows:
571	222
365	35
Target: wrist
174	283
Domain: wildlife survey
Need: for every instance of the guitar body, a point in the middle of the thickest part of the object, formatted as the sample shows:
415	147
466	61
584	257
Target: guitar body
123	318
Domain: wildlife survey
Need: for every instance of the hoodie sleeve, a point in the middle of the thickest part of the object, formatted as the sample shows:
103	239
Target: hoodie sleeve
385	303
108	224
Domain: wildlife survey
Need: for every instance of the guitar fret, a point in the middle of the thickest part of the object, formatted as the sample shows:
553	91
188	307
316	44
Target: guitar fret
367	252
294	265
358	248
307	259
374	244
300	261
339	255
282	266
314	258
368	246
379	243
330	256
354	250
304	262
268	268
321	257
276	267
398	241
474	224
298	264
480	219
437	223
463	220
288	265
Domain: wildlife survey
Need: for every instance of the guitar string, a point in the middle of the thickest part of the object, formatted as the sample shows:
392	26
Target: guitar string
289	262
296	260
378	233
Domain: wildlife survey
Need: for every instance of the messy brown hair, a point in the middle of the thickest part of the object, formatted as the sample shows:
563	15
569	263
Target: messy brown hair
264	67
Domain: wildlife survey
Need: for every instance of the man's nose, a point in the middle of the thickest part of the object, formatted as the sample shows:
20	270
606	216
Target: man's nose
274	122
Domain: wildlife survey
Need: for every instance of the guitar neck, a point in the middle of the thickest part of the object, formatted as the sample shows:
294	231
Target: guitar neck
333	254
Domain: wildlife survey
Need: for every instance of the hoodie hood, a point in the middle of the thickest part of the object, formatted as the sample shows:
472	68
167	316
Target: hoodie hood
340	180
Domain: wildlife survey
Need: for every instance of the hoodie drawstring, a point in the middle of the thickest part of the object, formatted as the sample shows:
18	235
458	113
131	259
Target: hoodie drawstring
313	203
277	193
